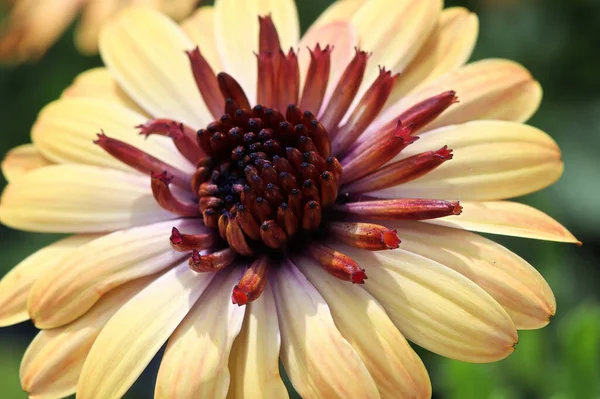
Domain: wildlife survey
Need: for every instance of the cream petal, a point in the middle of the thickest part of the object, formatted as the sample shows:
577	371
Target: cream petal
21	160
508	278
320	362
491	160
16	284
507	218
343	36
436	307
66	129
449	46
145	52
254	359
237	31
487	89
71	289
99	83
202	343
54	359
200	27
340	10
136	332
394	366
394	31
79	199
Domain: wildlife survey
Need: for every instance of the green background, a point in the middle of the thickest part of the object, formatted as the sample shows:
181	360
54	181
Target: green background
559	42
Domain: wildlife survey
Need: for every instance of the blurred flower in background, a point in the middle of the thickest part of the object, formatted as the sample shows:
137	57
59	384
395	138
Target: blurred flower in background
32	26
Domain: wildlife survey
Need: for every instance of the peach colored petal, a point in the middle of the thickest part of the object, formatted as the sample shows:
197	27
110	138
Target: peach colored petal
507	218
79	199
54	359
137	331
236	31
394	366
394	31
487	89
16	285
491	160
508	278
436	307
145	52
21	160
99	83
449	46
69	290
66	129
202	343
254	359
320	362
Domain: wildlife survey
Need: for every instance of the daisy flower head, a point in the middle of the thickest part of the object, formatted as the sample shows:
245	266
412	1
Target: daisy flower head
249	196
33	26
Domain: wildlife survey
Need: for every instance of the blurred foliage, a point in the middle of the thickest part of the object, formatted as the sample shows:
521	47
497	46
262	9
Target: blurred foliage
558	41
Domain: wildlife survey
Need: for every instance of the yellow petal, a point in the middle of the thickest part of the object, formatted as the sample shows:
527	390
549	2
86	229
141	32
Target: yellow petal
491	160
436	307
449	46
507	218
66	129
21	160
202	343
341	10
69	290
145	52
343	36
320	362
79	199
94	15
487	89
54	359
394	31
254	359
136	332
508	278
394	366
16	284
99	83
200	27
237	31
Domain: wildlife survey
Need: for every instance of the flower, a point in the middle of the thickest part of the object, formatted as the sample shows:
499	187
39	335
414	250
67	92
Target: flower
273	232
33	26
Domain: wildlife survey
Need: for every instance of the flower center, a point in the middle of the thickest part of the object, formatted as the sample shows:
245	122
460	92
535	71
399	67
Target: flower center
268	175
266	184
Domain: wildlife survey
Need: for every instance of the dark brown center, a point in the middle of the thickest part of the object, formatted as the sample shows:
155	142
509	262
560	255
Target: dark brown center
269	176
